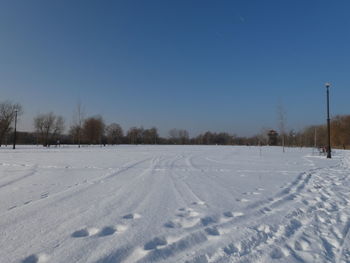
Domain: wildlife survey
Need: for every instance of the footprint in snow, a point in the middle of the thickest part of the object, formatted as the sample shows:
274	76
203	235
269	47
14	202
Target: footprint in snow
85	232
132	216
278	253
185	218
44	195
107	231
155	243
198	203
301	245
242	200
233	214
265	210
232	249
251	193
212	231
187	212
41	258
208	220
173	224
31	259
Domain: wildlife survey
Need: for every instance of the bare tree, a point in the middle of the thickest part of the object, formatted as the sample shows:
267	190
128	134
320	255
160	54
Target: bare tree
48	127
75	133
135	135
114	133
291	138
93	129
341	131
7	116
183	136
174	136
76	129
262	137
281	116
179	136
150	136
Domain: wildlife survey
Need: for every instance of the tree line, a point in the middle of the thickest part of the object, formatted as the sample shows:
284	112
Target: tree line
50	130
317	134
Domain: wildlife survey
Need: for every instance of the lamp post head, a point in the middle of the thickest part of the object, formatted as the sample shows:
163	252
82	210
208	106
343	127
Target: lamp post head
328	85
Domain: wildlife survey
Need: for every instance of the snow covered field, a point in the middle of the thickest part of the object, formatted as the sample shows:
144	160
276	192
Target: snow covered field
173	204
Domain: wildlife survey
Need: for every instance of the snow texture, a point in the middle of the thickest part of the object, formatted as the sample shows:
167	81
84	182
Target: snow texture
173	204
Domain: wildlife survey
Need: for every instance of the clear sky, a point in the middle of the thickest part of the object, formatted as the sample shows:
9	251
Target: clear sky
199	65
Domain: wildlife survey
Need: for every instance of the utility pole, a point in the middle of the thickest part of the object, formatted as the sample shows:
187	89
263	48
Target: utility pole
329	151
15	133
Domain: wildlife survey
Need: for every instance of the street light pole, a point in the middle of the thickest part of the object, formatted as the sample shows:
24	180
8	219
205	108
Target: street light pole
15	133
329	151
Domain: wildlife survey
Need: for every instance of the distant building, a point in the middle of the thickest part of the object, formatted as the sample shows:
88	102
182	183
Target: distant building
272	134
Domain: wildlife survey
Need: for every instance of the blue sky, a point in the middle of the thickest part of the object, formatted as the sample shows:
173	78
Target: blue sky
198	65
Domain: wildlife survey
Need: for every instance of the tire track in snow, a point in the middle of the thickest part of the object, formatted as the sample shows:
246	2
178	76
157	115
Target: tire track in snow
31	173
175	179
182	186
86	185
153	249
147	197
133	253
107	230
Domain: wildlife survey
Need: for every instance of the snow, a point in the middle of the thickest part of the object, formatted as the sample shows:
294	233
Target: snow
173	204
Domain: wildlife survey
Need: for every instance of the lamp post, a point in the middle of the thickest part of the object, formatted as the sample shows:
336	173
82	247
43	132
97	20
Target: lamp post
329	151
15	133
